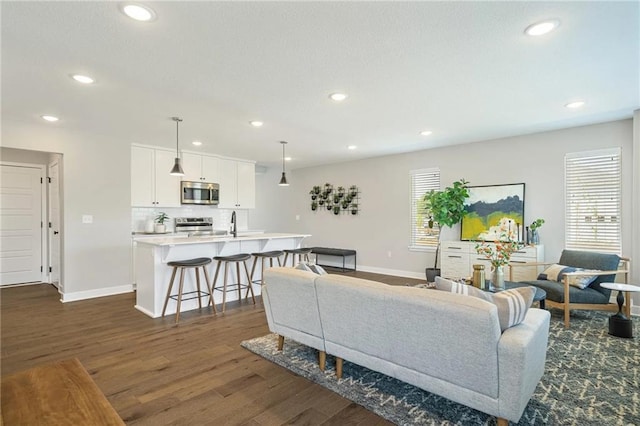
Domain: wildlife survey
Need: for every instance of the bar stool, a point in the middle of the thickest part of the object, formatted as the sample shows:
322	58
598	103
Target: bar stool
200	262
275	254
237	259
303	253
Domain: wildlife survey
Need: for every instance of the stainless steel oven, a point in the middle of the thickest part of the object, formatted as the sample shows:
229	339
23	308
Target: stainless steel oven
199	193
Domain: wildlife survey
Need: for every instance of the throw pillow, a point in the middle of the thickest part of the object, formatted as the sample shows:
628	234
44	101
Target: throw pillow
309	267
512	304
557	272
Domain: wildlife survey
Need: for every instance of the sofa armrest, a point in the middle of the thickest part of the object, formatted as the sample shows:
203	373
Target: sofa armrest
522	352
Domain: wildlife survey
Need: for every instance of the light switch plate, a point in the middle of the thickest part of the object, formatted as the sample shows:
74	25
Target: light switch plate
87	218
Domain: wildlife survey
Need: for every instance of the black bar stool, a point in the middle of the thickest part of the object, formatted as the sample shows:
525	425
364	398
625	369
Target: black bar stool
303	253
275	254
237	259
200	262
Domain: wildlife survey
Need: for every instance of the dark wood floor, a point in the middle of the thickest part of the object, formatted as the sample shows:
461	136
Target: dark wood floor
157	373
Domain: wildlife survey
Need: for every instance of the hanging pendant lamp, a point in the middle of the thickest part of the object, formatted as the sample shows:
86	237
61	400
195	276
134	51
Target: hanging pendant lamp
283	179
177	168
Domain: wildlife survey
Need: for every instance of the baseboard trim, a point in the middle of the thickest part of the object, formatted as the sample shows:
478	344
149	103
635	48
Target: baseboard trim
146	311
394	272
92	294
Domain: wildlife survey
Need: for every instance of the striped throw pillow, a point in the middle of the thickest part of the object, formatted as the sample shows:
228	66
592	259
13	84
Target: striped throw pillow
512	304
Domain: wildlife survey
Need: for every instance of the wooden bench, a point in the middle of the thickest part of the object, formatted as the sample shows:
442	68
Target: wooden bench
326	251
61	393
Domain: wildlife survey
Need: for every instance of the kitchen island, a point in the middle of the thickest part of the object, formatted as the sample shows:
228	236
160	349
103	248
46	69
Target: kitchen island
153	274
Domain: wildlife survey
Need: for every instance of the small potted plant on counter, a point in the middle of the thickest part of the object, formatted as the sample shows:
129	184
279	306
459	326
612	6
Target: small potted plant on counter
159	226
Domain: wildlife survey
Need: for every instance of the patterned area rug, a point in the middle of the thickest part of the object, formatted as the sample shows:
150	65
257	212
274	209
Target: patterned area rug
590	378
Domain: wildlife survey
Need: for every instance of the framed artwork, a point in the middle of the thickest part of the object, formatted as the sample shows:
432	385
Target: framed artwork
491	207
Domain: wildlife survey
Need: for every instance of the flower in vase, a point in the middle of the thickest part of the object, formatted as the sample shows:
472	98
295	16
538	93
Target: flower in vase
499	253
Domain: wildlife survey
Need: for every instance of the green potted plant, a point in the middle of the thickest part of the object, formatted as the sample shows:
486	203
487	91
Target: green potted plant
353	190
316	189
313	194
444	208
336	210
314	206
533	235
354	208
159	225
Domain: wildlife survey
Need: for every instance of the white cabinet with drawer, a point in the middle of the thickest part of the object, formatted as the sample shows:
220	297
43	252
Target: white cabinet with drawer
458	258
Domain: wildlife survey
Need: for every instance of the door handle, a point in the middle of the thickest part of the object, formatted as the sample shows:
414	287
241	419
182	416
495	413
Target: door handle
55	232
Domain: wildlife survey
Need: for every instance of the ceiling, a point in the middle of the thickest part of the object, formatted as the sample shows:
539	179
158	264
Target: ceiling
464	70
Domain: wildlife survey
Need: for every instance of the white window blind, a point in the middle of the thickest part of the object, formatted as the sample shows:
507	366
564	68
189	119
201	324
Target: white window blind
422	181
593	186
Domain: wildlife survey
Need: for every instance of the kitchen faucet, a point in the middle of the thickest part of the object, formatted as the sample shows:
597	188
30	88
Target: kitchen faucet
234	230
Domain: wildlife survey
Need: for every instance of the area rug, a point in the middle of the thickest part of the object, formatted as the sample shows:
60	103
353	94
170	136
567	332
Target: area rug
591	378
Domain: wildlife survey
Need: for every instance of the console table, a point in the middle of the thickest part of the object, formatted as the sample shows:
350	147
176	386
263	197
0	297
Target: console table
458	258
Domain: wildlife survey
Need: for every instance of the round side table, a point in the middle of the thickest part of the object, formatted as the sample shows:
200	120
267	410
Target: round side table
619	324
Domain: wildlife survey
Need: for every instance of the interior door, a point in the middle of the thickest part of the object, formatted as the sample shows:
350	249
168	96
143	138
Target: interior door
54	223
20	224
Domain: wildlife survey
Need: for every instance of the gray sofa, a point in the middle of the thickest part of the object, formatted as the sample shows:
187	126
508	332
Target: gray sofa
445	343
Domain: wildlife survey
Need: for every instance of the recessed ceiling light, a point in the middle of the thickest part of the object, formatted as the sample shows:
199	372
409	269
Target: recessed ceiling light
82	79
338	97
541	28
352	147
256	123
425	133
287	158
138	12
196	143
575	104
50	118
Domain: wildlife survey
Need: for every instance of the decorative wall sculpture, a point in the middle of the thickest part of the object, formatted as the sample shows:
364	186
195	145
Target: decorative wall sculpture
335	200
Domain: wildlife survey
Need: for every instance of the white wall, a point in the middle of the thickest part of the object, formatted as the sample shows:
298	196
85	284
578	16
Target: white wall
96	181
383	223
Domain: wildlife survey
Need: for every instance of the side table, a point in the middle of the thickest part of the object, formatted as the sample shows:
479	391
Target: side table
619	324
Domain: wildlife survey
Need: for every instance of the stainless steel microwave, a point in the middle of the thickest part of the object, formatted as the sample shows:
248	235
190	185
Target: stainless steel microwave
199	193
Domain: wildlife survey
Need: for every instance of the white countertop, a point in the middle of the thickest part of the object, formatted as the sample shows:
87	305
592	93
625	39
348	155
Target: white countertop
206	239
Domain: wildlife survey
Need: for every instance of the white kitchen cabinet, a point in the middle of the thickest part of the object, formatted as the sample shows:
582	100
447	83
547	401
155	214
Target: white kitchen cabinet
200	168
237	181
458	258
151	183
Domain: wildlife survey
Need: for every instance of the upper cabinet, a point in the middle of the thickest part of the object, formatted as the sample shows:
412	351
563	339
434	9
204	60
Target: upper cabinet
200	168
237	181
151	183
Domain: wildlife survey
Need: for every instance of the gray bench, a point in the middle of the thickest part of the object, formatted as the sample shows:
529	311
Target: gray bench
326	251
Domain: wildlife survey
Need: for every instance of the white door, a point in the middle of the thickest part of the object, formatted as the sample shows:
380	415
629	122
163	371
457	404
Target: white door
228	180
167	187
20	224
246	185
54	224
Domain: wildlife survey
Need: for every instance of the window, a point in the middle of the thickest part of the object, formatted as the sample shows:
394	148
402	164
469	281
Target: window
422	181
593	183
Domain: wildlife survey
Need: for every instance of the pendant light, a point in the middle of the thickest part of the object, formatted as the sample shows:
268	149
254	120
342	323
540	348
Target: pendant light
283	179
177	168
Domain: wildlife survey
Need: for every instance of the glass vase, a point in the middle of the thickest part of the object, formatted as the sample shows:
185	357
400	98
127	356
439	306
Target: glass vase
497	280
535	237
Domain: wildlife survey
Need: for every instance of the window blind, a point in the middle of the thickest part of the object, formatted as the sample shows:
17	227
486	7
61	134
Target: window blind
422	181
593	188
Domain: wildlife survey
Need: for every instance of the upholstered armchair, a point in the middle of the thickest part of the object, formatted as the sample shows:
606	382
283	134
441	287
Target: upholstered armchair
574	282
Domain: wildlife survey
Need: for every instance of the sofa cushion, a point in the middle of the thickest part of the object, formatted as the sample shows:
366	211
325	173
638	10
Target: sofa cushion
512	304
555	292
310	267
591	260
557	273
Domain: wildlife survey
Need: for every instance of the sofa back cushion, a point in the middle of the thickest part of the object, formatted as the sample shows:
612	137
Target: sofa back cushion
591	260
446	336
292	300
